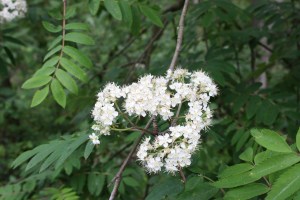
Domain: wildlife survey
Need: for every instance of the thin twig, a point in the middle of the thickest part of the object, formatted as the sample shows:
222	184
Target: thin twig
182	175
118	176
180	36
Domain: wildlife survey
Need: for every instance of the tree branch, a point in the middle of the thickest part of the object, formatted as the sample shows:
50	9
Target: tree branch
118	176
180	36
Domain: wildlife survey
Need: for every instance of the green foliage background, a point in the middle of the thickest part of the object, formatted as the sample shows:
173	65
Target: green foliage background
250	48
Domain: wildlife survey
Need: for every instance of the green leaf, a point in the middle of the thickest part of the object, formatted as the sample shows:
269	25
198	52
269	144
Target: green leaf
151	14
79	38
260	157
274	164
270	140
53	51
126	12
54	156
73	69
94	6
55	42
247	191
45	151
169	187
286	185
77	26
71	11
51	62
51	28
247	155
66	80
44	71
88	149
58	93
95	183
195	188
298	139
24	156
78	56
39	96
36	81
131	182
235	180
235	170
70	149
113	8
136	21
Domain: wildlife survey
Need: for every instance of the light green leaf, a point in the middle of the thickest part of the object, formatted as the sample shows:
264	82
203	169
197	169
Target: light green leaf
126	12
151	14
88	149
235	180
51	28
39	96
55	42
77	26
36	81
53	51
66	80
45	71
78	56
260	157
79	38
274	164
286	185
71	11
235	170
73	69
51	62
246	192
247	155
298	139
270	140
58	93
113	8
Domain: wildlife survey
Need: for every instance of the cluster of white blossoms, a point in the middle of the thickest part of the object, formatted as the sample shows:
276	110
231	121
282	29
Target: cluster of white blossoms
11	9
161	97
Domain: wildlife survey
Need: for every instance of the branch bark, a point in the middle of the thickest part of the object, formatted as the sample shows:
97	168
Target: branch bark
118	177
180	36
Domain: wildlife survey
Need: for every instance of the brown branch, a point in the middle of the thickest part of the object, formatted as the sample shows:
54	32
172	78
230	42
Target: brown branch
180	36
118	176
182	175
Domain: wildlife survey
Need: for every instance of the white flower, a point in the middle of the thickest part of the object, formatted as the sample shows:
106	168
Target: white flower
94	138
12	9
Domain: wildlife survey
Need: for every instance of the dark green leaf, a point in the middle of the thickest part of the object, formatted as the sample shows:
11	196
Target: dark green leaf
126	12
151	14
88	149
298	139
112	6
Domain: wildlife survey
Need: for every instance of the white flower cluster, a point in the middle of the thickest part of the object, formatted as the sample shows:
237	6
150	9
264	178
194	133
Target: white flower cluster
161	97
173	149
11	9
